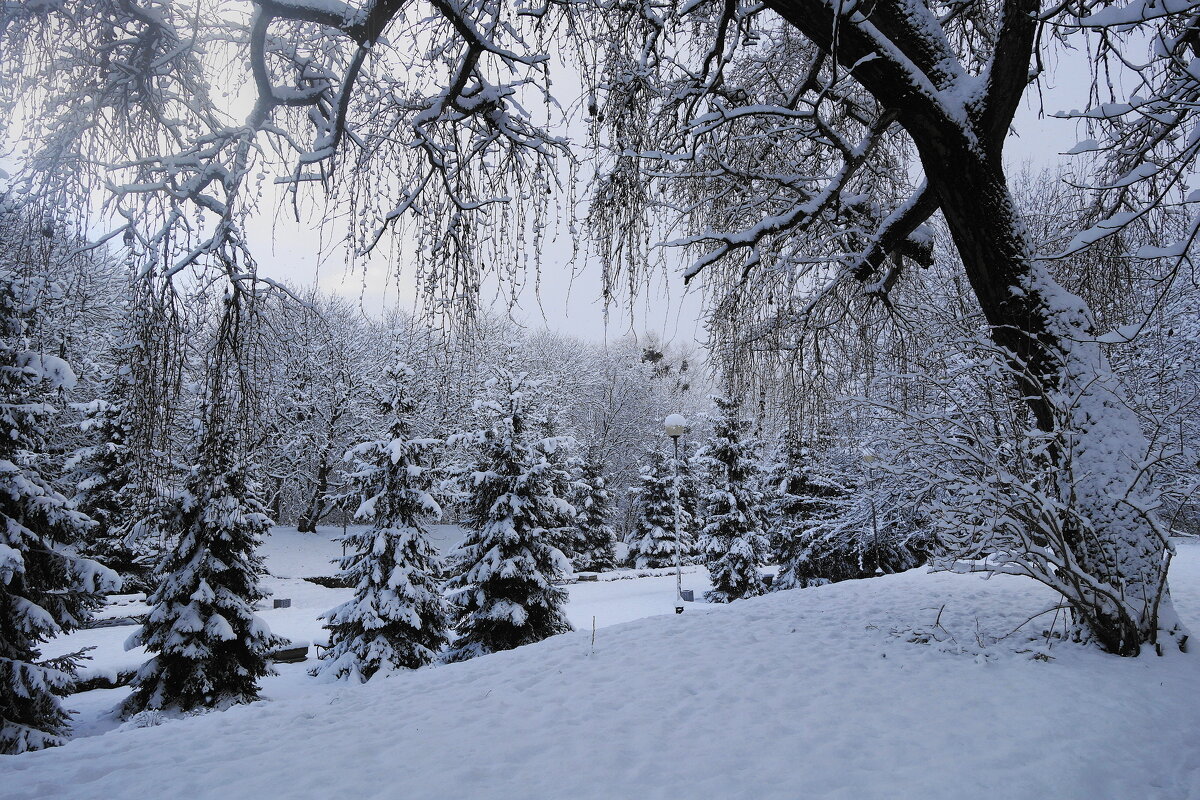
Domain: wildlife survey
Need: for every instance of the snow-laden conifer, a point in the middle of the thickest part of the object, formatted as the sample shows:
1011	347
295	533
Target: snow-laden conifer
505	588
732	539
45	588
593	502
652	541
112	488
797	492
209	649
562	471
398	617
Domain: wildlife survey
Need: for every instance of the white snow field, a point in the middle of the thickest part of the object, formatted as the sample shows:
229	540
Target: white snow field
896	687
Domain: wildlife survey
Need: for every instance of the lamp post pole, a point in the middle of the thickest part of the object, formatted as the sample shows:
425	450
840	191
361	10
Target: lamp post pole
870	458
676	426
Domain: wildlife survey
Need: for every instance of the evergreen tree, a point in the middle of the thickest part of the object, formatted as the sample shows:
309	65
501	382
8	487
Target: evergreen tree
691	499
112	489
210	649
398	617
798	493
732	539
594	503
858	522
562	468
45	588
505	588
652	542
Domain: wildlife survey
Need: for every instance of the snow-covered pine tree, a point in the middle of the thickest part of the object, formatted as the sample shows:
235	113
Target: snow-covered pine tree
45	588
858	520
505	588
692	475
652	541
112	488
732	539
798	493
562	473
398	617
209	647
593	501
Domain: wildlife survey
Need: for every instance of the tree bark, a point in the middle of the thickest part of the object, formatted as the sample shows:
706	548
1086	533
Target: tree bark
1120	560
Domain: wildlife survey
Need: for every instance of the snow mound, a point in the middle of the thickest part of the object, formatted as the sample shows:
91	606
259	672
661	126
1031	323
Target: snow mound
895	687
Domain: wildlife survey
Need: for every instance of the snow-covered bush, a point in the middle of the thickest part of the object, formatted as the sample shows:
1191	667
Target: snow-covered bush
1052	502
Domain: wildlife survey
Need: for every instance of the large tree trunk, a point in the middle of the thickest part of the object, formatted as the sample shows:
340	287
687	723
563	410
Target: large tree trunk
1112	554
1067	383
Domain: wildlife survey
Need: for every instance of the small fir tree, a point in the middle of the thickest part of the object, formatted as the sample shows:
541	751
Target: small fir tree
799	493
45	588
594	503
111	488
505	588
113	474
563	468
732	539
398	617
652	541
210	648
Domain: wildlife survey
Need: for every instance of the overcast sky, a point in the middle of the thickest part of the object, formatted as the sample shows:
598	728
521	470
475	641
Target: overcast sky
570	294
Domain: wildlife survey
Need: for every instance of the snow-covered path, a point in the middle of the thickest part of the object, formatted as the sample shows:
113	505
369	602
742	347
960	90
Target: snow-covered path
805	694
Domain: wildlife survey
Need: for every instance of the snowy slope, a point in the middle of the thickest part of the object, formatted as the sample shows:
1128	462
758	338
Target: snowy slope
805	694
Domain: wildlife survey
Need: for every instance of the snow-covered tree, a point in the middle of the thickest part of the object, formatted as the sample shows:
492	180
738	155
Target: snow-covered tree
45	588
652	542
593	501
562	467
398	617
732	539
803	149
113	486
505	589
208	647
858	522
796	493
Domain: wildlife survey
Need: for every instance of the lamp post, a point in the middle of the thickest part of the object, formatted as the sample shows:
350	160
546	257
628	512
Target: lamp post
677	425
869	458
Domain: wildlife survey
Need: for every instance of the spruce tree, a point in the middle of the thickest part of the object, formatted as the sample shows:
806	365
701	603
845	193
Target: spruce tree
398	617
593	501
112	489
732	540
114	474
45	588
652	542
691	499
505	587
798	493
209	647
562	470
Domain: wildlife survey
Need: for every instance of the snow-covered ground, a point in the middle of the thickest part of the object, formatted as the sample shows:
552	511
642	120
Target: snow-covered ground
896	687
